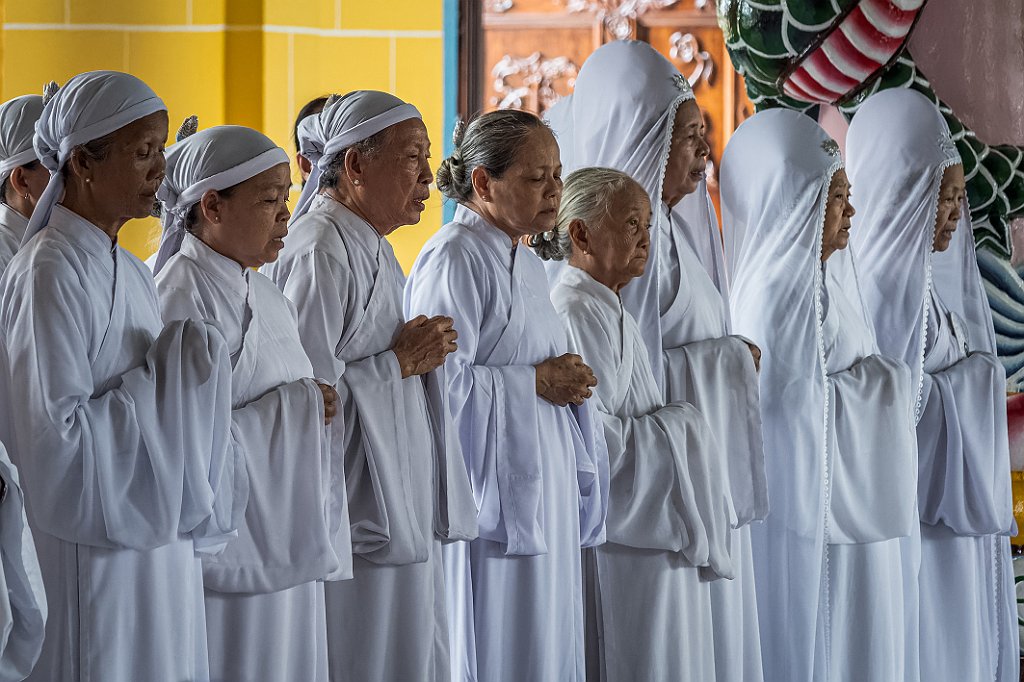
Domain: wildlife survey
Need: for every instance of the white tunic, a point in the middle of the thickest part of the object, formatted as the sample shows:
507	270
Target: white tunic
539	475
264	607
405	492
962	504
706	366
22	597
670	507
12	229
119	496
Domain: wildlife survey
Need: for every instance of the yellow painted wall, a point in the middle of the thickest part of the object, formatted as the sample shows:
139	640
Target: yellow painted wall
246	62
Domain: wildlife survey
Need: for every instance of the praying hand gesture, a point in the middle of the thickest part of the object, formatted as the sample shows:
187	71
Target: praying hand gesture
565	379
423	344
330	399
756	352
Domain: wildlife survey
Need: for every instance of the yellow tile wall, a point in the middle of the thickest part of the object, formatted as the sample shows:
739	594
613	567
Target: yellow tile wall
246	62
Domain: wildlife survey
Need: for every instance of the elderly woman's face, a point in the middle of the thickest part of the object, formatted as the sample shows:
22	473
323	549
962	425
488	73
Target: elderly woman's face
249	224
396	179
688	154
838	211
951	197
618	245
124	183
524	200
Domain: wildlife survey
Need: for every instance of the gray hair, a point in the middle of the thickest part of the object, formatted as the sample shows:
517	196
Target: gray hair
586	196
490	141
368	148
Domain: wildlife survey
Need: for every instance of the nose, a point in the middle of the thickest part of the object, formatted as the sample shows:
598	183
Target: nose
704	150
850	211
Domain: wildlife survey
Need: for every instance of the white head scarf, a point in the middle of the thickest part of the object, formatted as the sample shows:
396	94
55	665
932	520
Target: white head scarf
775	178
87	107
344	121
214	159
17	126
622	112
898	148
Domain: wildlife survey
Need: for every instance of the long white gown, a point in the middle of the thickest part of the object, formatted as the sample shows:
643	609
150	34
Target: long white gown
120	496
22	597
670	506
265	614
539	472
704	364
12	229
962	501
407	489
873	466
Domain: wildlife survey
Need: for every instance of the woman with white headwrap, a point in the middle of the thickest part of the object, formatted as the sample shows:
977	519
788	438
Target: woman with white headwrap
120	426
407	489
634	112
925	296
838	426
533	449
225	211
670	507
22	177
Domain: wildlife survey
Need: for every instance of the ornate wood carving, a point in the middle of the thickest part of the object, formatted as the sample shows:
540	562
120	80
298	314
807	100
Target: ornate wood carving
686	49
529	82
500	6
618	15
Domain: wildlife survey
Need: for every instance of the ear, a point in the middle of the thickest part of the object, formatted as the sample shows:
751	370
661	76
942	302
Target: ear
481	180
578	235
305	167
354	166
211	206
16	182
80	164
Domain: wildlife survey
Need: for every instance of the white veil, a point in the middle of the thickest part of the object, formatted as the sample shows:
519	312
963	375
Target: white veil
898	148
775	177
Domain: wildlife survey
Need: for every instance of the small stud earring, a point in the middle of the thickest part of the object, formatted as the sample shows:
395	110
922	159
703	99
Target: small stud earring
357	182
24	196
88	179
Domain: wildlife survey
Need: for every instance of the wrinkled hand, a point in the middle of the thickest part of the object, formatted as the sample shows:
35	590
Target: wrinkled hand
423	344
330	400
756	352
565	379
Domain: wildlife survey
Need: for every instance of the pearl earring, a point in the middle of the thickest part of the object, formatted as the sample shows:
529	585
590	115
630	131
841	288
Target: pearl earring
357	182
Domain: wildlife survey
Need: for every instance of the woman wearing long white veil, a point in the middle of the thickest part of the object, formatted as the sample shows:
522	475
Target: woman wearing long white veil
924	293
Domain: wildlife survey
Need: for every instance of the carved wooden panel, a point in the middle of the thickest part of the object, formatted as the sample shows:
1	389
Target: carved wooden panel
527	53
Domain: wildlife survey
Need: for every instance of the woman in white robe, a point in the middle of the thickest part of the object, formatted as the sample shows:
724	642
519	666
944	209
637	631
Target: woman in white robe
925	296
22	177
838	426
120	426
537	464
407	489
22	597
225	211
670	507
633	111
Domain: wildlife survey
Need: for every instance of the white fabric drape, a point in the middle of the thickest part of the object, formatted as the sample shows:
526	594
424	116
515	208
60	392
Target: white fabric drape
670	508
22	596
